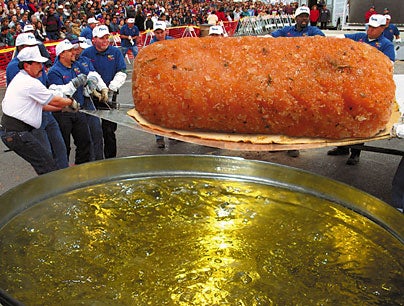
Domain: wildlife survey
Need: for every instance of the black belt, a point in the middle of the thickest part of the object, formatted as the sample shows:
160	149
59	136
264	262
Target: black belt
13	124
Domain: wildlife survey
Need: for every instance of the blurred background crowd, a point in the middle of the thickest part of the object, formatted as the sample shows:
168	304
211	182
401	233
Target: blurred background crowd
53	20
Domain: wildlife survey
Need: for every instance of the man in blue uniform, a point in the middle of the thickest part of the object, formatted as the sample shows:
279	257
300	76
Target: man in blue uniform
391	31
48	134
30	29
71	123
87	32
109	62
373	37
95	86
301	28
129	35
160	34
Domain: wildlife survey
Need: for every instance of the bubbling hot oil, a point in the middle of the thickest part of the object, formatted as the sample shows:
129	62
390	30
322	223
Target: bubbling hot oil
197	241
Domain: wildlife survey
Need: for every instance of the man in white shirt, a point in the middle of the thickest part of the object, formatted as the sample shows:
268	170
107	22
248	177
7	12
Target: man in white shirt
22	106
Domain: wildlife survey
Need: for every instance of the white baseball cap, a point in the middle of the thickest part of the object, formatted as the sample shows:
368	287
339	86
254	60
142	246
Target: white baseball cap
387	16
302	10
31	54
131	20
83	43
100	31
377	20
26	39
28	27
92	20
218	30
64	45
159	25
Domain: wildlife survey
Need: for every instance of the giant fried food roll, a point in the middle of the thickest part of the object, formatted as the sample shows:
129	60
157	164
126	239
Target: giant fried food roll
305	87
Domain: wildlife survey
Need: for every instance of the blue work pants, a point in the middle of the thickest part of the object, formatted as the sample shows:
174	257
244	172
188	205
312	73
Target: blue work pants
26	145
55	139
75	124
94	124
133	48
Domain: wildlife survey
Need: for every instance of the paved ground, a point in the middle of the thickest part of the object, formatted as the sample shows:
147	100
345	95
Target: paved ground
373	174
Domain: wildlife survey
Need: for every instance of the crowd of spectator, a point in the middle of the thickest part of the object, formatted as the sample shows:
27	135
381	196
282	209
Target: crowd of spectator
53	19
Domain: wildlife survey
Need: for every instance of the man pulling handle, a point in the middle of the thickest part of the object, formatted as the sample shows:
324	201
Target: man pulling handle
22	106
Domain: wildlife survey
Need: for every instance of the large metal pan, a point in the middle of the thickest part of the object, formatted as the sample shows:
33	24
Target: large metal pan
344	202
46	186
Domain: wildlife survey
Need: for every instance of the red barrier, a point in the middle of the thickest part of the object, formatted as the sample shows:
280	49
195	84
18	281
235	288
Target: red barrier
5	58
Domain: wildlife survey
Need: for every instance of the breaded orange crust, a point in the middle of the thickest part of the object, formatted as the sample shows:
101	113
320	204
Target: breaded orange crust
305	87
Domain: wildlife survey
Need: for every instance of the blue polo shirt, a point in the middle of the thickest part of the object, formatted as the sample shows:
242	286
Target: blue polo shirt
60	75
86	65
381	43
106	63
125	30
153	40
291	31
391	31
12	70
87	32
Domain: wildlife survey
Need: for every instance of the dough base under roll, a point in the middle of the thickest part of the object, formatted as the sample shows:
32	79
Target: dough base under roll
304	87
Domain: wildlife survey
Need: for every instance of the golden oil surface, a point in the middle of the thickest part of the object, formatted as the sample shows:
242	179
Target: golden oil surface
197	241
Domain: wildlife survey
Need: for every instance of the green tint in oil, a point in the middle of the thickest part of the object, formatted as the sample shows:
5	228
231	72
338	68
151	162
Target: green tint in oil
186	241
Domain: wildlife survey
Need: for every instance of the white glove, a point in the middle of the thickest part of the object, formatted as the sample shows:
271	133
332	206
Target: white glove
56	91
100	83
118	80
398	40
397	130
66	90
339	36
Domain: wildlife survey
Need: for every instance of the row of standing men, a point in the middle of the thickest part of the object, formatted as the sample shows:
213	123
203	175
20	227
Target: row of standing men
40	112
